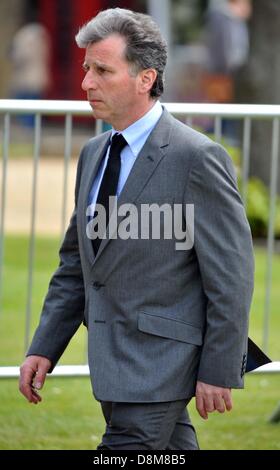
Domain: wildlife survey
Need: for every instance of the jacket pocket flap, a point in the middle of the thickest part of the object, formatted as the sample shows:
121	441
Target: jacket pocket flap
169	328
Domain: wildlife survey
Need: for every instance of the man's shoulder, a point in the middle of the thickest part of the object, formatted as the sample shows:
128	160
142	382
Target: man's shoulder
194	145
184	135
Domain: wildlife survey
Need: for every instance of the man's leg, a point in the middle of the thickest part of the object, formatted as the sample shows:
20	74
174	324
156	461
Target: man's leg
184	435
143	426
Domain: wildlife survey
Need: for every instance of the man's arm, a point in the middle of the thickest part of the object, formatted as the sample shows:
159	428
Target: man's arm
223	246
62	313
63	309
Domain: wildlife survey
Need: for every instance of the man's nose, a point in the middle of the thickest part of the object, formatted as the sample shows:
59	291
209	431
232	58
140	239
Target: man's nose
88	82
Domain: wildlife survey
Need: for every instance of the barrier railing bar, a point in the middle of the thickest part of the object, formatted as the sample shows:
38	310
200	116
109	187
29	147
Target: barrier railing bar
218	129
36	156
82	108
98	127
6	141
246	157
271	236
83	370
67	157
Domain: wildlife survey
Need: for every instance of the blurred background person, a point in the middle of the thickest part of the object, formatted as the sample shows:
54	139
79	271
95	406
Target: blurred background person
227	35
227	44
30	59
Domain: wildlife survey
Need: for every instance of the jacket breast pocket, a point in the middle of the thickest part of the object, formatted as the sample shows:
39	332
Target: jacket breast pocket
169	328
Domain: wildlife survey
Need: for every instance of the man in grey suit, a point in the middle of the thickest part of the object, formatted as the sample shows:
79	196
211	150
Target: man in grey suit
166	320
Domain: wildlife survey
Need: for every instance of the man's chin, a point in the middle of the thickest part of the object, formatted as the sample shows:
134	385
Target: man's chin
96	113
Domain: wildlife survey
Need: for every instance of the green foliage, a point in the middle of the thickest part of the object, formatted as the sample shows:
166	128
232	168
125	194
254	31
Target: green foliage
257	200
257	207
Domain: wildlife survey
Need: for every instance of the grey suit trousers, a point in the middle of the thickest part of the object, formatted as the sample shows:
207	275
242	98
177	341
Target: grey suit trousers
148	426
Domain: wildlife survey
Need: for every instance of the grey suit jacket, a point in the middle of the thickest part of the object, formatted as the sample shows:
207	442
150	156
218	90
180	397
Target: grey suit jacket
158	319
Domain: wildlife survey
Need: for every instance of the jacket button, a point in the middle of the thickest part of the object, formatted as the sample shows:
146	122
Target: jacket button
97	285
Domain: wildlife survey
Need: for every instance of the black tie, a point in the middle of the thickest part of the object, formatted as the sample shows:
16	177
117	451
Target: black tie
109	183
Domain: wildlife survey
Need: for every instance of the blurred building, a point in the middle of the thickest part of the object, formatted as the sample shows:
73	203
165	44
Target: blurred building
62	19
180	23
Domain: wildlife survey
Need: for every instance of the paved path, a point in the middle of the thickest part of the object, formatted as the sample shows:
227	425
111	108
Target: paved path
49	200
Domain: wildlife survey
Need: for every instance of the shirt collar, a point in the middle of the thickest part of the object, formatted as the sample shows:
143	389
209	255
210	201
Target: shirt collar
137	133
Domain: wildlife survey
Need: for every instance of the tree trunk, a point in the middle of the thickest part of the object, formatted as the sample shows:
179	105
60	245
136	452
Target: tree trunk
259	82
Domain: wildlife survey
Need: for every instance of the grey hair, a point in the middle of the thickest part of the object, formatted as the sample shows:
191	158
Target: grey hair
145	46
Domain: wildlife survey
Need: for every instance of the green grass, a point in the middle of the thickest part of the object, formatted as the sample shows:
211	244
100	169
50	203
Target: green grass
247	426
257	309
15	280
69	417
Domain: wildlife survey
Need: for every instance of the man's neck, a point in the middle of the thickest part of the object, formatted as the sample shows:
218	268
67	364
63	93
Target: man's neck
121	126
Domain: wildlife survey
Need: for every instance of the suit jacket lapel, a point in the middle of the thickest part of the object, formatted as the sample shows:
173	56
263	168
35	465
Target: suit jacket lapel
148	159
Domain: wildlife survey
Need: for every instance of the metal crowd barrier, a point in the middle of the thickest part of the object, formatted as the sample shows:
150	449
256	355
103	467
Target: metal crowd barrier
68	109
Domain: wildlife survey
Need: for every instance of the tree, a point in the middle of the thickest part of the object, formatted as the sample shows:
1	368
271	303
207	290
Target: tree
259	82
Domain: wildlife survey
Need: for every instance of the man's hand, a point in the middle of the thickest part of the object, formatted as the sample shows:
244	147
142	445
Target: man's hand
210	398
32	377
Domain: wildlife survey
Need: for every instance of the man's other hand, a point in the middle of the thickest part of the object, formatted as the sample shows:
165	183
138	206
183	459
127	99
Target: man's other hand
32	377
210	398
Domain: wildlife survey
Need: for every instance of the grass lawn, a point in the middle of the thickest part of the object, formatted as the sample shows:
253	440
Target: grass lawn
15	279
69	418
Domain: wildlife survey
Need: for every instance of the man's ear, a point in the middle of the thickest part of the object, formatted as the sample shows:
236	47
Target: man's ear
147	78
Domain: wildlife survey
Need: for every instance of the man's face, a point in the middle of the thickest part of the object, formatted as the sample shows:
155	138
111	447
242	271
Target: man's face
112	91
